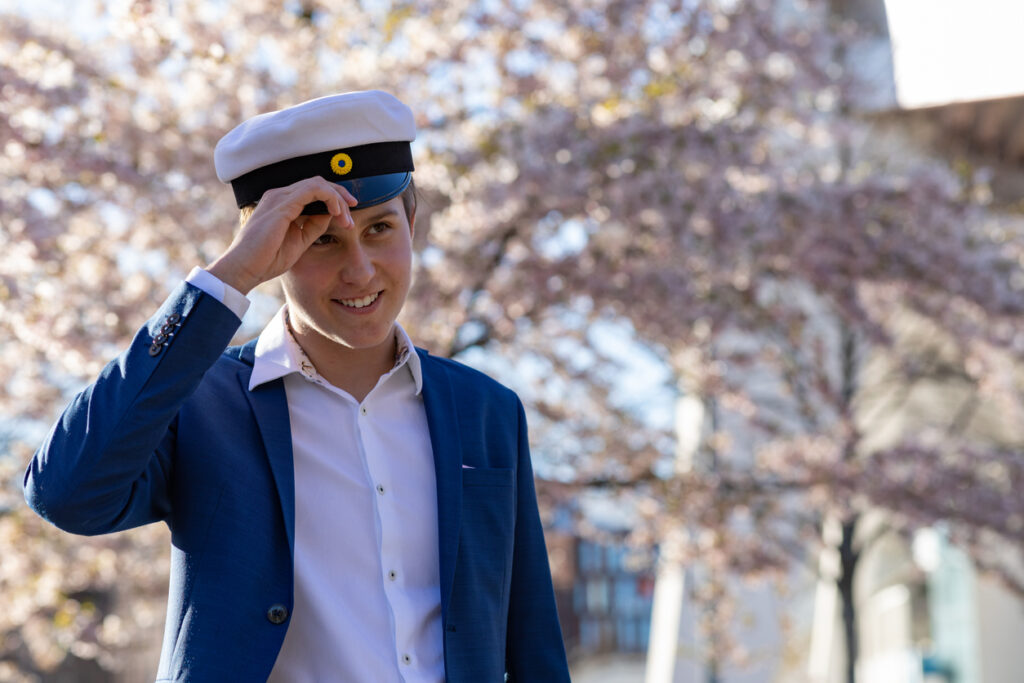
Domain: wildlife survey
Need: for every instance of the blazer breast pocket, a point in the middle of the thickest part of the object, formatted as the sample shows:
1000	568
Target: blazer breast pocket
487	476
487	534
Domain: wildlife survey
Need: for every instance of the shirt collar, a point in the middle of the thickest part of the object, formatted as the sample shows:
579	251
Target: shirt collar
279	354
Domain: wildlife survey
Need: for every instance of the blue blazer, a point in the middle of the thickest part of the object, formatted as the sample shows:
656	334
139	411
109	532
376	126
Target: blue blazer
170	432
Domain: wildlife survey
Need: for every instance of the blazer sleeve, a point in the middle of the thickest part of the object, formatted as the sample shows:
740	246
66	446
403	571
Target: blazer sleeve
106	463
534	651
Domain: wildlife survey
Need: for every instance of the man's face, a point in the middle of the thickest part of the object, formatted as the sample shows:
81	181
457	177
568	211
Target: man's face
347	289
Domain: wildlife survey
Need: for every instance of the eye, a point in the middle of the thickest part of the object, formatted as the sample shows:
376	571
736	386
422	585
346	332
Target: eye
323	239
378	228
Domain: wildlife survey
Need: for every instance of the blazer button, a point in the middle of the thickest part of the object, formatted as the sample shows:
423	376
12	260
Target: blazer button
155	349
173	318
277	614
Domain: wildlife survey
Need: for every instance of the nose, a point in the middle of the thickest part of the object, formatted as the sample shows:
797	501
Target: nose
357	266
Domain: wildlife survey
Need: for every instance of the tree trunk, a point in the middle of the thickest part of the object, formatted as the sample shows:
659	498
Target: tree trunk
848	563
713	671
848	555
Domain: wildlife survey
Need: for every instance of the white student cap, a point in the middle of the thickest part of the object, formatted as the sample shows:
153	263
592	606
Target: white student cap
359	140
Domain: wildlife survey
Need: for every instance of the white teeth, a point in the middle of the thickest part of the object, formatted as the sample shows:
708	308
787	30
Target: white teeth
360	303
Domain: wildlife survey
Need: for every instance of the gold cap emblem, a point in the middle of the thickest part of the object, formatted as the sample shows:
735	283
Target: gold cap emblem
341	164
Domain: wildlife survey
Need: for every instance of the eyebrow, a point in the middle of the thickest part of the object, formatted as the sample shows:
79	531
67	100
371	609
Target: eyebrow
387	213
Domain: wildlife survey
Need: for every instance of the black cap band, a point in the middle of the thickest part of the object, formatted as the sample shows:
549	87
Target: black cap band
364	161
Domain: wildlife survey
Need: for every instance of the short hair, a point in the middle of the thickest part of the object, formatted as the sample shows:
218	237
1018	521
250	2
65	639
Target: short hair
408	203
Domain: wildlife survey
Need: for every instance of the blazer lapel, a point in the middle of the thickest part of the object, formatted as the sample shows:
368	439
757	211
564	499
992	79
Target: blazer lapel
443	424
270	409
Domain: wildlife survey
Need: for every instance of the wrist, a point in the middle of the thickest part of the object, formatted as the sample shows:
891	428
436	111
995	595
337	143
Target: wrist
233	276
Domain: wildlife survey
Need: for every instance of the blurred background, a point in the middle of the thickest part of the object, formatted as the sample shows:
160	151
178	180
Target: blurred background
756	268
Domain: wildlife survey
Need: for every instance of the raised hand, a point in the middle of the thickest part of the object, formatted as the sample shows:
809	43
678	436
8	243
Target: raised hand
277	233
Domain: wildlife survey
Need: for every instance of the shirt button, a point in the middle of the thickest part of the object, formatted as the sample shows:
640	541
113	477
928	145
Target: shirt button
392	575
380	489
406	659
362	410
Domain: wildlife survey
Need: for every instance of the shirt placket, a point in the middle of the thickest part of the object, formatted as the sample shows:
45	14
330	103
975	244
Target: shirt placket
388	520
384	502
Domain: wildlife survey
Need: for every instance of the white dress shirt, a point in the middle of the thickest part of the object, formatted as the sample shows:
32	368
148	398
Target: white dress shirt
367	579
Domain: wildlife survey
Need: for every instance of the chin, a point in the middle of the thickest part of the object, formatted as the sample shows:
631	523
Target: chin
358	342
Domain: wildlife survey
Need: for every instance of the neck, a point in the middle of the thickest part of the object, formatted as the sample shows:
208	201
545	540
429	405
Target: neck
355	371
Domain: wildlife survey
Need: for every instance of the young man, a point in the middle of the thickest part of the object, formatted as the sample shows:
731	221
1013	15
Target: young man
343	506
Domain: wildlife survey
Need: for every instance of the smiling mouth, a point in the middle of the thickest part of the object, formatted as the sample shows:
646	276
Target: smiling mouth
359	303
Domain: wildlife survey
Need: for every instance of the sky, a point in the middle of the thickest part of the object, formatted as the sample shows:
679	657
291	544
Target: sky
956	50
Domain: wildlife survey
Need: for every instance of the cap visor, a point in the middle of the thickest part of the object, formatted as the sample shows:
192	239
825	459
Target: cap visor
368	191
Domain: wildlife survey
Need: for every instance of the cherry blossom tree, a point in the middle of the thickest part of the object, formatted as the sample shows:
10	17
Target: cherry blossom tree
740	217
702	176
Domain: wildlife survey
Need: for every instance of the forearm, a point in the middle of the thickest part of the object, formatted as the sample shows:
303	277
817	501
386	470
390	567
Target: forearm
105	463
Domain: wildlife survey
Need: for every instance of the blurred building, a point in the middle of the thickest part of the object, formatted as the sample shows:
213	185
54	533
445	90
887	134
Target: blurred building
612	597
927	616
604	590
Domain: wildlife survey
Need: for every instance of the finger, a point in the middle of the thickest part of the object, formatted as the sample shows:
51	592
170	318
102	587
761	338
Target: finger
343	207
350	198
340	207
346	217
292	199
338	199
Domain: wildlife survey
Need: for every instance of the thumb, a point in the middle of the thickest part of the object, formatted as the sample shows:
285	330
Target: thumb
314	227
